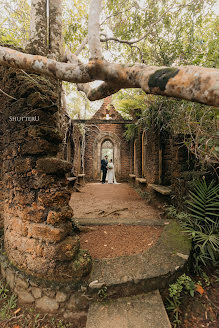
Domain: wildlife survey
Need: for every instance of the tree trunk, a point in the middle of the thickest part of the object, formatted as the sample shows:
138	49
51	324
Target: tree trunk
55	28
94	29
38	28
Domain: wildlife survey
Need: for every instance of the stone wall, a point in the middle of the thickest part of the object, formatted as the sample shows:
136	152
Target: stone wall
166	161
98	131
151	156
138	155
38	234
95	135
72	148
59	299
1	160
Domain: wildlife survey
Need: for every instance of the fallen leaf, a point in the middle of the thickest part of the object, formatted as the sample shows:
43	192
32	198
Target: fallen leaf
18	310
199	289
16	326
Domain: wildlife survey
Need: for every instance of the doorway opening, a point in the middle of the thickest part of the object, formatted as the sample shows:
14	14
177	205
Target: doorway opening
107	148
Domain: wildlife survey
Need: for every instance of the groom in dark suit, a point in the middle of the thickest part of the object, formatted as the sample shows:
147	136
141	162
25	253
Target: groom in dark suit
104	163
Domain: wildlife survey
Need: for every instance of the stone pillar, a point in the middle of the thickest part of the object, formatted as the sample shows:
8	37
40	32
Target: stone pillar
38	232
1	184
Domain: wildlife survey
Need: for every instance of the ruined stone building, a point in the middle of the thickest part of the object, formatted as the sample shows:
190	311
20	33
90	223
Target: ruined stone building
39	148
105	136
151	158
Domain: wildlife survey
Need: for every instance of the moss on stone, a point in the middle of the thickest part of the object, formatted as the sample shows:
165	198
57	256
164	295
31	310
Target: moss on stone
161	77
173	237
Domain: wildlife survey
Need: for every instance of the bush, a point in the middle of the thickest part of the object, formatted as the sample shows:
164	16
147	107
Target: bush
202	223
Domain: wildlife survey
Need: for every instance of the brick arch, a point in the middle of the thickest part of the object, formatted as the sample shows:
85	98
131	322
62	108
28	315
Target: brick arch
97	153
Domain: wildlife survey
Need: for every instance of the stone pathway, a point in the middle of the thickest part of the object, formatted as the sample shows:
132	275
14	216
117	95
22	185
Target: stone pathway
129	285
119	281
141	311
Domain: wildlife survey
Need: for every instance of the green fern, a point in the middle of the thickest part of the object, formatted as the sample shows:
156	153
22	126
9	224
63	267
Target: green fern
202	224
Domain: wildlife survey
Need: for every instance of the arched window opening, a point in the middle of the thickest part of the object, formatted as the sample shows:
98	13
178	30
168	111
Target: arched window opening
107	149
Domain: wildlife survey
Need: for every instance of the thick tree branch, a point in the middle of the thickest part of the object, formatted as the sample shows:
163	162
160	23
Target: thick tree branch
102	91
192	83
94	29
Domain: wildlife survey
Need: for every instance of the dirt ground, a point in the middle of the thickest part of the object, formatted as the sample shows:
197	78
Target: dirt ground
110	200
201	310
113	241
106	201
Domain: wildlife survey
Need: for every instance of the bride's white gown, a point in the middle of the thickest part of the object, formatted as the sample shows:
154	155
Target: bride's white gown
111	174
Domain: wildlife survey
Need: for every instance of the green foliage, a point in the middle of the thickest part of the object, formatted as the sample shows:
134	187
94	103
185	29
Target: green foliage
202	224
102	293
9	304
130	132
196	122
3	290
75	22
183	285
180	32
14	22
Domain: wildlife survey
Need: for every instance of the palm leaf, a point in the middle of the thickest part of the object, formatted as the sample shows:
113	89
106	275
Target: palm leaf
202	224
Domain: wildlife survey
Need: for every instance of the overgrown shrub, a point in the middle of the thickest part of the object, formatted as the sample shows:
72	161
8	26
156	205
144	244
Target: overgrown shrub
201	221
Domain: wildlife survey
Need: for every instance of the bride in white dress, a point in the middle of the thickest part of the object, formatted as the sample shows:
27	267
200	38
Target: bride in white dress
111	172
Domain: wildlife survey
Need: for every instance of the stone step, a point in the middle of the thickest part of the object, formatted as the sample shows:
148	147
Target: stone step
147	221
153	269
141	311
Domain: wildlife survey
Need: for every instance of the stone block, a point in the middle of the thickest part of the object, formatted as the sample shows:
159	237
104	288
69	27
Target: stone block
47	133
37	292
23	165
52	165
47	304
67	249
24	296
40	181
59	198
82	302
12	222
38	146
10	278
57	217
49	292
61	297
46	232
24	198
21	283
72	303
43	267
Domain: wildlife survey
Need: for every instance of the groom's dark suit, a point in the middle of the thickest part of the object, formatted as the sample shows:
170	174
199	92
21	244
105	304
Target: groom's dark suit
104	169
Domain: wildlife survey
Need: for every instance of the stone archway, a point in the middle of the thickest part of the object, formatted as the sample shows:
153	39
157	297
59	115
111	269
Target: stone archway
97	152
107	148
